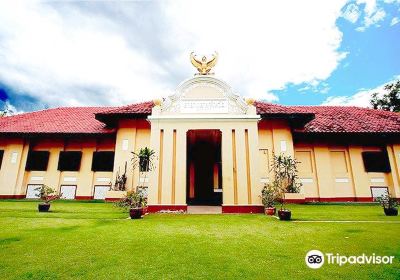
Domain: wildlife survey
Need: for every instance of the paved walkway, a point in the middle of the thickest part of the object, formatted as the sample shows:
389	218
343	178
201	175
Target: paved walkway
204	210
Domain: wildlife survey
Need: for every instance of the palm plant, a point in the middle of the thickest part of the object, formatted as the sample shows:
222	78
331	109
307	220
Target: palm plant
285	176
144	159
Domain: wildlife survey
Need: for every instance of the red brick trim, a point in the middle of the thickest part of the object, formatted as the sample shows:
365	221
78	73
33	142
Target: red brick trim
242	209
364	199
82	197
157	208
12	196
111	199
312	199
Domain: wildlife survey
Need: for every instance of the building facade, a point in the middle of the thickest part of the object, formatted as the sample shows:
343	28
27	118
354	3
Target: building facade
211	148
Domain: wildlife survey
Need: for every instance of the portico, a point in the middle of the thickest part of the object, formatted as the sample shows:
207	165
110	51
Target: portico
204	109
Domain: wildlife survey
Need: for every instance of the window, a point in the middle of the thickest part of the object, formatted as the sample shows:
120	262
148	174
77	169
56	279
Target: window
69	161
376	162
103	161
37	161
1	157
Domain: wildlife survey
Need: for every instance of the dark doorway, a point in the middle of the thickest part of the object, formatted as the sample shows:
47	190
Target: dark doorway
204	173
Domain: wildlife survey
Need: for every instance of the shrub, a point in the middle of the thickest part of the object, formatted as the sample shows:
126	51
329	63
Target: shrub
387	201
47	194
132	199
269	195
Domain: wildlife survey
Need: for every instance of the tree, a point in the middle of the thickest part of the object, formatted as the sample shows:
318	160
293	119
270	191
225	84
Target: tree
390	101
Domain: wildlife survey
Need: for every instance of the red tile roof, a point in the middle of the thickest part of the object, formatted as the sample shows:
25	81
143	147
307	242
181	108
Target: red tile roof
137	110
264	108
339	119
90	120
67	120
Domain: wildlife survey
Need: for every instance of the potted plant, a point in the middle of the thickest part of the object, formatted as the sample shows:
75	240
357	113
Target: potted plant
135	202
46	194
389	204
268	198
285	181
144	160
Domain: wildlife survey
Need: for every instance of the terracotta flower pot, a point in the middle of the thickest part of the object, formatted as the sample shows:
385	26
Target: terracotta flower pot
284	215
270	211
391	211
136	213
43	207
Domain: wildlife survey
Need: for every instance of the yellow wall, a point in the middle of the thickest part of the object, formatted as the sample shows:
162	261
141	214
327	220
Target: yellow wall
10	172
326	171
14	179
274	137
338	172
132	135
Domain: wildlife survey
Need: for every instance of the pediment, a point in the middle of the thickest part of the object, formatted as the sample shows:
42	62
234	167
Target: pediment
204	95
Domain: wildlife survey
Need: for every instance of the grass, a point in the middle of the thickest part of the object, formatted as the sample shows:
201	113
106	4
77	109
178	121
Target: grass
96	241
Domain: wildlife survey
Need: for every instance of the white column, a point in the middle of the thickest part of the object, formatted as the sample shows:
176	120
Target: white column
153	176
227	167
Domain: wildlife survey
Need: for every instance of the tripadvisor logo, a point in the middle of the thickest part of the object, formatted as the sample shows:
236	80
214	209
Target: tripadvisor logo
315	259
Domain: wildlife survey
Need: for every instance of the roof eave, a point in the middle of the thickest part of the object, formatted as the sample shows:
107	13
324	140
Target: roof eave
296	120
111	119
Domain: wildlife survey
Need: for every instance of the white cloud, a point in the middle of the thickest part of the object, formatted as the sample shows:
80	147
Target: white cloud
361	98
394	21
373	14
351	13
64	54
374	18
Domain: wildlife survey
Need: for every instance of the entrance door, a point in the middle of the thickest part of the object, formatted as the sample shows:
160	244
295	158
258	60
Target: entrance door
68	192
204	183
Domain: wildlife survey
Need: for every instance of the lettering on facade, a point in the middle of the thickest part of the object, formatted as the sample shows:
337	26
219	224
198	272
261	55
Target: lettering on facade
204	106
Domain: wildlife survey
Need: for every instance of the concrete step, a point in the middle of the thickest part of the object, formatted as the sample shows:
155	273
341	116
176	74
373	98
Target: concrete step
204	209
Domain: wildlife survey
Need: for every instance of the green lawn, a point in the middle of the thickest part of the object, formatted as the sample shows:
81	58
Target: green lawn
96	241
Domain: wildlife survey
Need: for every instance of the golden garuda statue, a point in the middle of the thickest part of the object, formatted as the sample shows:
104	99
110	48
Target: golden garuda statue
204	66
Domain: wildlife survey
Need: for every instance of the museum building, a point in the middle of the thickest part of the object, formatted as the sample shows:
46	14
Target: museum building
211	147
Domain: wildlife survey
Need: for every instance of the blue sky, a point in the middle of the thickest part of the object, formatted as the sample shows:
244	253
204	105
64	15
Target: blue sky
290	52
373	59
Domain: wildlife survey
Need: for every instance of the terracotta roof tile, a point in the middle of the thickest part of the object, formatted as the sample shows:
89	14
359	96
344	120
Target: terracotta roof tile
338	119
89	120
137	108
59	120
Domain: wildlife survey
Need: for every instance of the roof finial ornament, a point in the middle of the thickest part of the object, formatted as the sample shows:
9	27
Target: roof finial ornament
204	66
